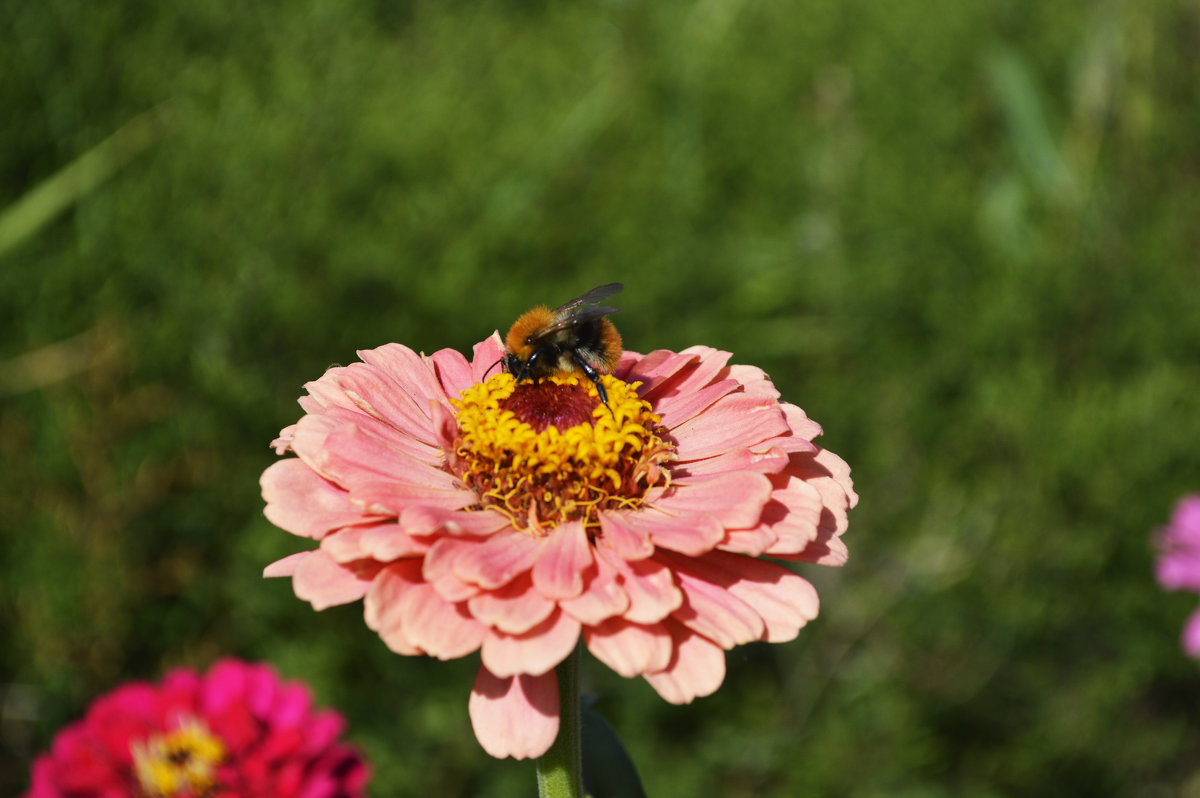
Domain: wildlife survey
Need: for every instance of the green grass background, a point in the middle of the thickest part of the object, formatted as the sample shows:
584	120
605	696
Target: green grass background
963	236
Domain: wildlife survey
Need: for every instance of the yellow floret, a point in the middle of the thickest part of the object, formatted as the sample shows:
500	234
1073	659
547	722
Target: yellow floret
540	479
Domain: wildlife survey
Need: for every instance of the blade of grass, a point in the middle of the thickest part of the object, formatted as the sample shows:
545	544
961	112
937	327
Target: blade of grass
1021	103
39	206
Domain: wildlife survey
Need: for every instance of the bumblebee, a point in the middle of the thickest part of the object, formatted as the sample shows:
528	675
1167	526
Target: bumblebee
574	338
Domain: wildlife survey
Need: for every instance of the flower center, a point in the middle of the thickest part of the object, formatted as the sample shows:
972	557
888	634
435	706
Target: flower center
547	451
179	763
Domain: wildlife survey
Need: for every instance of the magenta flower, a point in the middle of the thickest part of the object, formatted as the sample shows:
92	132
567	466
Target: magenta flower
516	519
235	731
1179	563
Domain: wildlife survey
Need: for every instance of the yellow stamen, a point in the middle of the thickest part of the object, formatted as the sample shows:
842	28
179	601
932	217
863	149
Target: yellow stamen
542	478
178	763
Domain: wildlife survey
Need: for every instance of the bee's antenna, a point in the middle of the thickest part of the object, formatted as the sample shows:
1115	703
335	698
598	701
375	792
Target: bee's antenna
489	370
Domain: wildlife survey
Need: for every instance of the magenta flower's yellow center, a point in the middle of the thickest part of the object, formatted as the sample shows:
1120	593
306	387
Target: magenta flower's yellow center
179	763
548	451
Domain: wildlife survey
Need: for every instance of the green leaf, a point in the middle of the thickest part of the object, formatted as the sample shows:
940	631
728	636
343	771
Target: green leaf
608	770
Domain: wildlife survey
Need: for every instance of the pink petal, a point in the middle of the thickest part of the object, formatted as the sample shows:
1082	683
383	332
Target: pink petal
517	716
536	651
807	527
427	520
486	357
264	692
630	649
676	409
734	500
1179	570
769	460
389	497
441	629
416	442
223	686
738	420
753	542
801	425
181	685
302	502
410	372
654	369
839	474
793	513
324	583
697	668
496	560
344	546
784	600
283	443
287	566
829	475
445	429
692	535
602	596
708	364
325	394
1191	635
438	568
352	455
753	379
653	594
1183	532
832	552
308	439
323	729
558	570
452	370
709	608
291	707
622	539
380	542
344	451
514	608
710	358
824	550
383	606
381	396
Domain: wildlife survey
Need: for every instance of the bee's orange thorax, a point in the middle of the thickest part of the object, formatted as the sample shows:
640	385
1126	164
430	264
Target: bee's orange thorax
529	323
610	345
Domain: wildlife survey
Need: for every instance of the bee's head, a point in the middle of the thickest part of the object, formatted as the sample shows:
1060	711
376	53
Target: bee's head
515	365
526	330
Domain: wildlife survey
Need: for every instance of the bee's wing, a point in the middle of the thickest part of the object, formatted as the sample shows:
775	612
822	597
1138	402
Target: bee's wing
575	317
582	309
597	294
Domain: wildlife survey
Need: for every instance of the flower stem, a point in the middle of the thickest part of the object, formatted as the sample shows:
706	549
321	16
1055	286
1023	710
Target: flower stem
560	770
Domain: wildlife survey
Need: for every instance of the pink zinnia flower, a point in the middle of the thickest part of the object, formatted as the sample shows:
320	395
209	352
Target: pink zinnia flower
514	520
1179	564
235	731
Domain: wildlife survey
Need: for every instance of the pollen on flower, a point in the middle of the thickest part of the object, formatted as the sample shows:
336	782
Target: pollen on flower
180	763
548	451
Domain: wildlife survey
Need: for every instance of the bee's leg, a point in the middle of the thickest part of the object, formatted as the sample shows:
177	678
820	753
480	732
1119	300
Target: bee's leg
529	367
592	375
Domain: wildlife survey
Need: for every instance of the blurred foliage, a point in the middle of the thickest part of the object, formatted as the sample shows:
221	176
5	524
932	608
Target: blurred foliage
963	236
